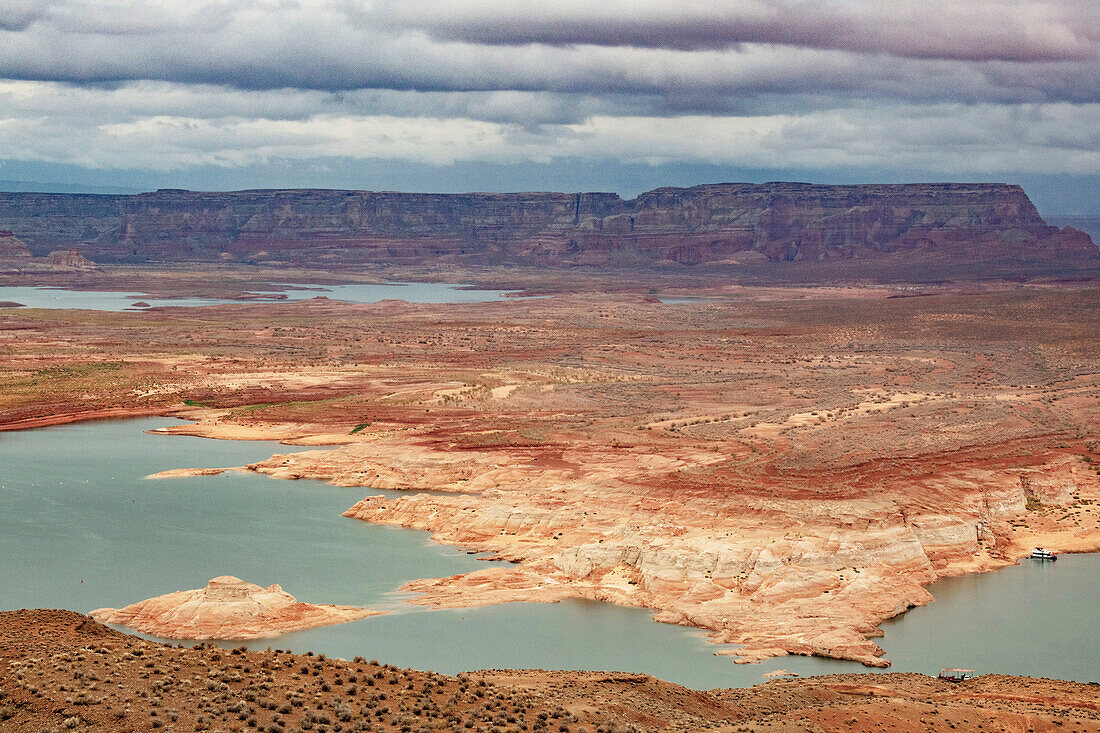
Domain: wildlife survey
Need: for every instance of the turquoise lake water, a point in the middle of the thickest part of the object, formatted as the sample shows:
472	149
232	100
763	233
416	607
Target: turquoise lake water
81	528
35	297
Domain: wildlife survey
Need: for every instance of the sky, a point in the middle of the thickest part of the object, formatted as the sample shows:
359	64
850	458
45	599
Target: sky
498	95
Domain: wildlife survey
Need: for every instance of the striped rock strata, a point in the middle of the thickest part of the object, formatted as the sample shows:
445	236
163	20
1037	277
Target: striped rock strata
731	223
777	575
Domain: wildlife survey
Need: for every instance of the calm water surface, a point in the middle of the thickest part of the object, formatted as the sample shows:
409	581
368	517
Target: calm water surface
81	528
352	293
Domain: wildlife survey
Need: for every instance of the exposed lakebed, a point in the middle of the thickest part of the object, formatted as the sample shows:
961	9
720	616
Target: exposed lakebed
81	528
41	297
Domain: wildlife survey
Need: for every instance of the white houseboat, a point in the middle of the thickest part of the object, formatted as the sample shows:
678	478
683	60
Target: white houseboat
1040	553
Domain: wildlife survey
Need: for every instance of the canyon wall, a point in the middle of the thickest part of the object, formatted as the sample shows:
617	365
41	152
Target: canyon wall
719	224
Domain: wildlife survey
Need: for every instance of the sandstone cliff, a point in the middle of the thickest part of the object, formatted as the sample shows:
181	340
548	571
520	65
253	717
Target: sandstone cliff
734	223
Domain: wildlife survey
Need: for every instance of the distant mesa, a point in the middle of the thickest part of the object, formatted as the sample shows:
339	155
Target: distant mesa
734	226
227	608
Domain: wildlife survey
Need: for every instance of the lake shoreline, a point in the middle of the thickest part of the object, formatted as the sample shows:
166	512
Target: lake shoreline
137	300
110	413
413	584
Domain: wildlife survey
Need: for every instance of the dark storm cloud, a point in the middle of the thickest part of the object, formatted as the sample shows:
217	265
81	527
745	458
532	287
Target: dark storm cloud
976	30
687	57
698	81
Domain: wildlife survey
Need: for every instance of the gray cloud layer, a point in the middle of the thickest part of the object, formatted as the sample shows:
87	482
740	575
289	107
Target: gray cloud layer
983	85
975	51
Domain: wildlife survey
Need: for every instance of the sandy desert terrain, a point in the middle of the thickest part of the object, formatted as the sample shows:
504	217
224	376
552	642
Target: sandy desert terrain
784	467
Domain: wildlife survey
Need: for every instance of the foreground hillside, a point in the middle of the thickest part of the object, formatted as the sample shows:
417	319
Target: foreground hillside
63	671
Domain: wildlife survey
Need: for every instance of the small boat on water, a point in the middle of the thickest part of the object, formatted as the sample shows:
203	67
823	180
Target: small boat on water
956	675
1042	554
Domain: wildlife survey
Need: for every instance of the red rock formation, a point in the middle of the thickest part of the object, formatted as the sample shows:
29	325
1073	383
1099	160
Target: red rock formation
70	258
12	247
704	224
777	574
227	608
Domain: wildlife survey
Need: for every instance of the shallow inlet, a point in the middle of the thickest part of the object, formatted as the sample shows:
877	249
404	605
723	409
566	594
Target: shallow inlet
35	297
80	528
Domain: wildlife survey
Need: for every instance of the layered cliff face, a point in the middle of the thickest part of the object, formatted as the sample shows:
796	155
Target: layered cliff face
721	223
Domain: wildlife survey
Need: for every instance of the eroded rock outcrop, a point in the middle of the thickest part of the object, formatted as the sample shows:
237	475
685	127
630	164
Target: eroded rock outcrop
782	474
16	256
70	258
227	608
